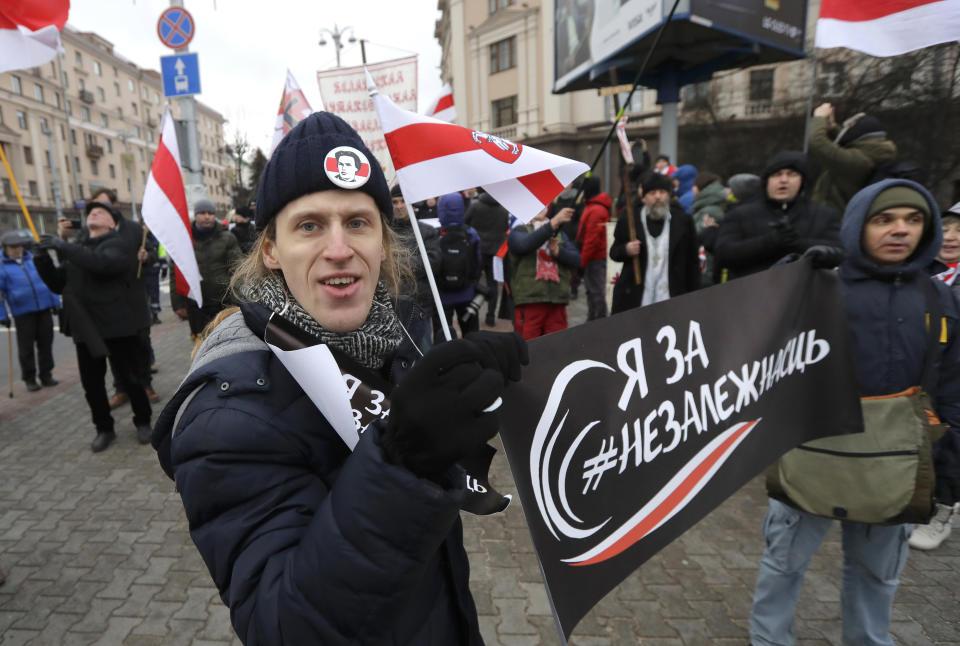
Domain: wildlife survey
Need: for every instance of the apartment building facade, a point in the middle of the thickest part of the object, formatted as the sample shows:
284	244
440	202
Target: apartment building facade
89	120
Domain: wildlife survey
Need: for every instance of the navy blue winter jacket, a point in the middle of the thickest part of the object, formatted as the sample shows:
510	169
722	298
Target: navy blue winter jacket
886	308
307	542
22	289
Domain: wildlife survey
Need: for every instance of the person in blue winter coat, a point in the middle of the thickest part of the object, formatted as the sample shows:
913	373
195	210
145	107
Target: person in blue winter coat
685	177
891	232
459	268
26	299
312	537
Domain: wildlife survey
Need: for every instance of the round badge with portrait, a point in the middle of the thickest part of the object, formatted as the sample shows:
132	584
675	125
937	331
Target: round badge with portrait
347	167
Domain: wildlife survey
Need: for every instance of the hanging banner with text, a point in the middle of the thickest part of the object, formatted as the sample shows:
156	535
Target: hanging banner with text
344	93
628	430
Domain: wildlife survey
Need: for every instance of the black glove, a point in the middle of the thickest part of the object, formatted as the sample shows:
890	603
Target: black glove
784	233
503	351
5	323
824	256
436	414
48	241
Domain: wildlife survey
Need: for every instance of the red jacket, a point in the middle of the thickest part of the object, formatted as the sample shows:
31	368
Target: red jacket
592	232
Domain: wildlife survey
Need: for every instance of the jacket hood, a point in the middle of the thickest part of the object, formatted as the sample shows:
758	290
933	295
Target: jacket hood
712	194
787	159
450	209
686	175
601	198
487	199
851	231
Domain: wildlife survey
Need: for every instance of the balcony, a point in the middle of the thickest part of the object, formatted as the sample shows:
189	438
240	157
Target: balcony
505	132
86	96
759	108
94	151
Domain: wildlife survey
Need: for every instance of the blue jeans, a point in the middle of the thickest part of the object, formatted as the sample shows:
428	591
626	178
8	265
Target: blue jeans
873	557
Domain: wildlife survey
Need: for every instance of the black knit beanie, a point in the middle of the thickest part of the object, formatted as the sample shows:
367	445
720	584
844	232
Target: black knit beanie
321	153
863	125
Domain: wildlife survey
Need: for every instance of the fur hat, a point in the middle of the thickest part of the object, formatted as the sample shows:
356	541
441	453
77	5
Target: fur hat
321	153
859	126
653	181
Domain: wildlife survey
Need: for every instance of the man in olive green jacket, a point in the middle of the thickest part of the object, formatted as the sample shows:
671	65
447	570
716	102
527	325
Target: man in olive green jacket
848	155
218	253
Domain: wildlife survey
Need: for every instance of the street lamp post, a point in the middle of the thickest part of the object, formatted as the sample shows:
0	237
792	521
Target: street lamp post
336	35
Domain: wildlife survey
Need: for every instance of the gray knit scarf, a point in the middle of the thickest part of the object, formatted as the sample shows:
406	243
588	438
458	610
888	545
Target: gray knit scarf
370	345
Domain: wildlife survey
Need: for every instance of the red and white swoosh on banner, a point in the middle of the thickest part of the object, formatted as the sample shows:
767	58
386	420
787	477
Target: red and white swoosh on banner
434	158
294	108
30	32
887	27
442	107
165	210
682	488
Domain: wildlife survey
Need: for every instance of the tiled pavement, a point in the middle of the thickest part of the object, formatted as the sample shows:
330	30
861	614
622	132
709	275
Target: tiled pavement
96	551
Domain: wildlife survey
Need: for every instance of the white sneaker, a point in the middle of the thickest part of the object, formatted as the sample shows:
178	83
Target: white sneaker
931	535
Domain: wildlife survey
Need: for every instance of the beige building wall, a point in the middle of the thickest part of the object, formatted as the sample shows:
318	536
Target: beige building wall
109	113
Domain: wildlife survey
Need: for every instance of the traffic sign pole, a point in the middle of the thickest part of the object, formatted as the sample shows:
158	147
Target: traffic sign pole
195	189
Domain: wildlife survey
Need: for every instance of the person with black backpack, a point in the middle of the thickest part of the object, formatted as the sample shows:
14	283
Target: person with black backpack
458	270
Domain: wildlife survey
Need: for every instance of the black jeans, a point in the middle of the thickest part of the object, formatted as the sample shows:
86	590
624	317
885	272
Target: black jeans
123	355
144	359
492	285
35	329
467	325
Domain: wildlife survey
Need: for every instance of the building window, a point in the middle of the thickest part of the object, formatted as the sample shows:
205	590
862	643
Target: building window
496	5
832	79
503	55
46	156
15	84
80	186
109	146
697	94
57	95
69	107
130	85
112	171
78	57
145	93
53	69
101	94
115	72
22	119
65	79
7	188
116	88
97	69
81	84
63	133
34	190
150	136
73	136
38	92
94	169
156	98
85	113
120	112
134	106
761	85
136	130
76	167
28	155
104	120
504	112
636	103
44	125
140	153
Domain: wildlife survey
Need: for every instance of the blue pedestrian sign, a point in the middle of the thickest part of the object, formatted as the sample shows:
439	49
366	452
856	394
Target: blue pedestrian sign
175	27
181	75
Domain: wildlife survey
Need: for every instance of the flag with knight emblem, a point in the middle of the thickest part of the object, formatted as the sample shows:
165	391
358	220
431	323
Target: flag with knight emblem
294	108
433	158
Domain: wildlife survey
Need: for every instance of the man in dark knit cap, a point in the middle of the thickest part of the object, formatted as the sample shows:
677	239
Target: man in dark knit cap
848	154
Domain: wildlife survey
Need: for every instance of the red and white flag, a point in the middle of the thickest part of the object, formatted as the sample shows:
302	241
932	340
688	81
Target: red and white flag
30	32
625	151
442	107
433	158
887	27
164	210
294	108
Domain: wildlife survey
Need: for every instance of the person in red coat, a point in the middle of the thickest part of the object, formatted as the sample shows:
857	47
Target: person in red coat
592	238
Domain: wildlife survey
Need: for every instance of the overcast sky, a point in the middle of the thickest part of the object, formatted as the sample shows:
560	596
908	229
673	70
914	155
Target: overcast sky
245	46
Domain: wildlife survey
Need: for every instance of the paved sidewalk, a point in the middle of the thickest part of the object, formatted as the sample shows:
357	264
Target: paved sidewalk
96	551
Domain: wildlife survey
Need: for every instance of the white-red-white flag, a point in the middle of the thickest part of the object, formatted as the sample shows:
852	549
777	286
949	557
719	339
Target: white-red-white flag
30	32
442	107
887	27
164	209
294	108
625	151
432	158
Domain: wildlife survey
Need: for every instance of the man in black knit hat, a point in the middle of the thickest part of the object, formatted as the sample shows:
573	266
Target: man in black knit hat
848	154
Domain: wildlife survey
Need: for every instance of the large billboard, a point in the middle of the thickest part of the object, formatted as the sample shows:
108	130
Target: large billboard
778	22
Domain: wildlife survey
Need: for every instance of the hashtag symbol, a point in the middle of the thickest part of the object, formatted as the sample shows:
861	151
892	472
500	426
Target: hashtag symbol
594	467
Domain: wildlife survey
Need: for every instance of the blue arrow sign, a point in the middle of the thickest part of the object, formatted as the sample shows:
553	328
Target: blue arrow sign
181	75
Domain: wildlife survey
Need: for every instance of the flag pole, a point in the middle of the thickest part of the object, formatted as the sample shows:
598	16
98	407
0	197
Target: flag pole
813	88
429	271
636	82
16	190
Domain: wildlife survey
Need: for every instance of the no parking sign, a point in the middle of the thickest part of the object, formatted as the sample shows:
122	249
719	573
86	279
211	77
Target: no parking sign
176	27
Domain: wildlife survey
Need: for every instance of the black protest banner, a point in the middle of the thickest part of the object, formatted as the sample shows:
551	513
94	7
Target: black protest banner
628	430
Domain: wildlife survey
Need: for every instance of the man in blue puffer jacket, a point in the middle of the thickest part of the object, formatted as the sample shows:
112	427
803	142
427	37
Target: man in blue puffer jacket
31	305
890	233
